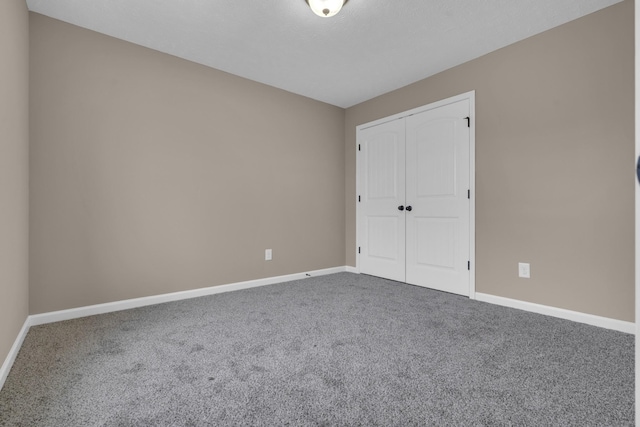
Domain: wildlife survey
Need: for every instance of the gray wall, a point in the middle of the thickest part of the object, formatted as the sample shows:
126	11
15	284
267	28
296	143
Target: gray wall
554	160
151	174
14	179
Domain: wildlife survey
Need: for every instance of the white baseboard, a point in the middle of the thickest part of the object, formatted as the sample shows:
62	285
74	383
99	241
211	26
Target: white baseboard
74	313
13	353
350	269
576	316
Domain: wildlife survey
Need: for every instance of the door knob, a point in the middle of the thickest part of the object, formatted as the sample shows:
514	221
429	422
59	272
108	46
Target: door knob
400	208
409	208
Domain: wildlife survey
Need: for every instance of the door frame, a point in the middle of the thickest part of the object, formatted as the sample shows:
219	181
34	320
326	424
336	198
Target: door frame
471	96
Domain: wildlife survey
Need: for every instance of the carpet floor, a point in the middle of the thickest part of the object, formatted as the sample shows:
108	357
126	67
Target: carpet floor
343	349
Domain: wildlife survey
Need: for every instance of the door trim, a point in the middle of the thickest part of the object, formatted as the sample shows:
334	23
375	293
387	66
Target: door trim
471	96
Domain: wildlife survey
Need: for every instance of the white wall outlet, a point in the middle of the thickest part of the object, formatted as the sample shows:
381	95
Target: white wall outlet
268	255
524	270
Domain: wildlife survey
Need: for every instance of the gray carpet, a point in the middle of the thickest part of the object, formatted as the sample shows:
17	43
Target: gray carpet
343	349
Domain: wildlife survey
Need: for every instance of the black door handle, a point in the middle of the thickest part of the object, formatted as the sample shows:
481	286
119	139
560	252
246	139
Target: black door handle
400	208
409	208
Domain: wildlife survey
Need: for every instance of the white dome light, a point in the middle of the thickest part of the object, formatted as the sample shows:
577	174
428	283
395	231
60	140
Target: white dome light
326	8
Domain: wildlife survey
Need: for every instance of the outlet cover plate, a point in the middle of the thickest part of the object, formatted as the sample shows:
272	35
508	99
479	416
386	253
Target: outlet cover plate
524	270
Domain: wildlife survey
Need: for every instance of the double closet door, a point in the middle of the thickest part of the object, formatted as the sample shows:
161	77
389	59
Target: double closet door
414	199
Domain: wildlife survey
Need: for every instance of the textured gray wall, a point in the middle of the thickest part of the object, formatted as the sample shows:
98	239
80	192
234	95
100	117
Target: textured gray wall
554	157
123	210
14	162
151	174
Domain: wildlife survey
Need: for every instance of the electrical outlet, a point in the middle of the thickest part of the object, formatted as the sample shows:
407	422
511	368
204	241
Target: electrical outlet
268	255
524	270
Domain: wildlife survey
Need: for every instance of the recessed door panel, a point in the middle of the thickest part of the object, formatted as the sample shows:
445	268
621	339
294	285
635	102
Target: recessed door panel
436	240
435	159
383	237
382	166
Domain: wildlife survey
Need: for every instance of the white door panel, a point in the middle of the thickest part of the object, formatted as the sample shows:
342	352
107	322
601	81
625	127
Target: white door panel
436	242
437	180
382	225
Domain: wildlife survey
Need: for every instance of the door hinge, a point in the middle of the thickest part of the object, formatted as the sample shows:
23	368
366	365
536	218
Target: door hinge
359	149
469	265
358	249
468	119
468	194
359	199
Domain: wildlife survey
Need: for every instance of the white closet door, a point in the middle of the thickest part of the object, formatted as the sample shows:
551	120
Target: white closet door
382	178
437	181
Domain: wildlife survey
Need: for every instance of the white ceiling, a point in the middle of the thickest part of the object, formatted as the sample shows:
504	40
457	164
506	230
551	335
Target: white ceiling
370	48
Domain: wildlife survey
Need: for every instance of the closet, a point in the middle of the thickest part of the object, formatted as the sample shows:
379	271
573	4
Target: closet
414	209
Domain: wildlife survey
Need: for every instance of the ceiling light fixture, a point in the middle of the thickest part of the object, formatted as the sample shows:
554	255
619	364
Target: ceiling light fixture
326	8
